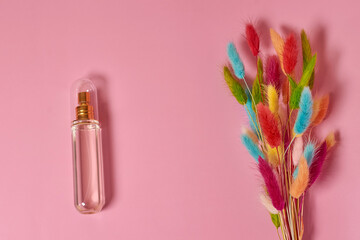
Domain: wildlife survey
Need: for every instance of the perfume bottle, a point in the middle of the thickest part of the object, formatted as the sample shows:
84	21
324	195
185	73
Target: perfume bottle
89	194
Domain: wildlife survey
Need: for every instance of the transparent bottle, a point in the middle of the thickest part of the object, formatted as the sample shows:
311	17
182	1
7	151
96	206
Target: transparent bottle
89	196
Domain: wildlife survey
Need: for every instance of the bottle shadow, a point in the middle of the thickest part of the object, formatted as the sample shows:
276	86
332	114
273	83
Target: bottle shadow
101	83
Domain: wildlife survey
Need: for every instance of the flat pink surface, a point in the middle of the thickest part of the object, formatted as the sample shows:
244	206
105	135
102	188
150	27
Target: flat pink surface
175	168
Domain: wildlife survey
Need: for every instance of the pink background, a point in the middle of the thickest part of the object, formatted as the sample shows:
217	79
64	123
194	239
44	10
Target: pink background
175	168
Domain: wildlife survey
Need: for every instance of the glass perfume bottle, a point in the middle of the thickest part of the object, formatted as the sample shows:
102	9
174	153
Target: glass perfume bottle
89	194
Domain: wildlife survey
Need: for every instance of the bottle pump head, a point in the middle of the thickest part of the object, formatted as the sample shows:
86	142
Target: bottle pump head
84	111
84	100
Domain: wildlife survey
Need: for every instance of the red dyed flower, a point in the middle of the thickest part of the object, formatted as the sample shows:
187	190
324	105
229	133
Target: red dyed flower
290	54
272	71
269	125
252	39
